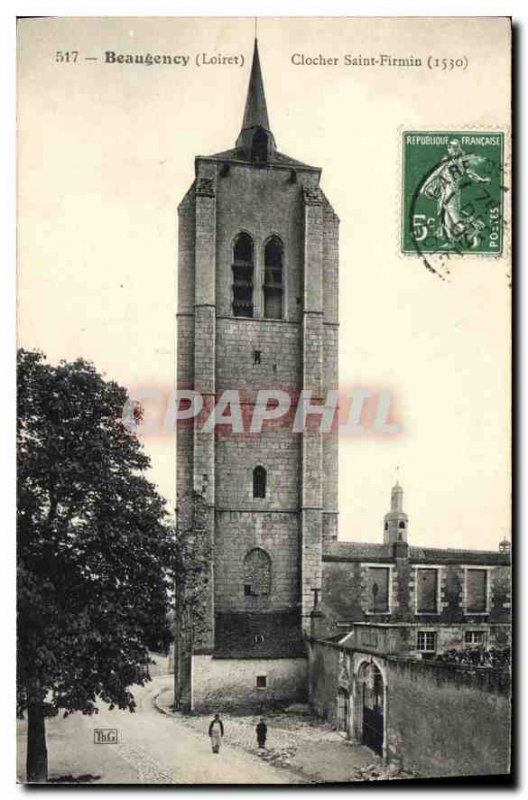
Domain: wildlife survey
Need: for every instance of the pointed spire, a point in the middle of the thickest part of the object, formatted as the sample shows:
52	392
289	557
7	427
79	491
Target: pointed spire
255	112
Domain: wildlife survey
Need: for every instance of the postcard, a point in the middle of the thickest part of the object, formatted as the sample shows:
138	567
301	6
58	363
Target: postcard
264	318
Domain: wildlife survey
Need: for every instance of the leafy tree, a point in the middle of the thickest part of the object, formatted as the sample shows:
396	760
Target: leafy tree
93	549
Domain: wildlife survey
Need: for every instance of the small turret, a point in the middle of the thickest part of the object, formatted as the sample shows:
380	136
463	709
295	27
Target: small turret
396	520
504	546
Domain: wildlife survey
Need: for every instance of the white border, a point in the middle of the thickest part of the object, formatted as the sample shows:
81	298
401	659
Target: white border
7	314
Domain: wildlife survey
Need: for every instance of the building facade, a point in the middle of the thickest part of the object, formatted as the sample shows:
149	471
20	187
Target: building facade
257	309
442	598
409	645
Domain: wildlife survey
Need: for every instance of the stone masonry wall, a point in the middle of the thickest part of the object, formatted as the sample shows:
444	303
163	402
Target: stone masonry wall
238	532
278	451
222	684
440	720
279	345
323	671
442	723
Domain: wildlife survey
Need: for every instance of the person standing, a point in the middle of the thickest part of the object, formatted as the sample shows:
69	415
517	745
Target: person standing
216	732
262	732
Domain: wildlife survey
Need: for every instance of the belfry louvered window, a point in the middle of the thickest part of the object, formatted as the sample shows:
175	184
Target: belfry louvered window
243	276
273	278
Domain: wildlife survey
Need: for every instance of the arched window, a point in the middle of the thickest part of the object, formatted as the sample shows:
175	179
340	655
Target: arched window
243	276
401	524
259	146
259	482
273	278
257	573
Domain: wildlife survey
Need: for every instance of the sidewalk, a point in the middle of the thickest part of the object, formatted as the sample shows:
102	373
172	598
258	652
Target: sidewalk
298	742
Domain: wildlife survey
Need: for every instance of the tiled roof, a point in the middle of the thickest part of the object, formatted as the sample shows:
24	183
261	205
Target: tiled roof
367	551
451	555
357	551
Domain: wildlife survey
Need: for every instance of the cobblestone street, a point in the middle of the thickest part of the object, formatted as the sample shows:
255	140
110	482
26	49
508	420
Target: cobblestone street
297	742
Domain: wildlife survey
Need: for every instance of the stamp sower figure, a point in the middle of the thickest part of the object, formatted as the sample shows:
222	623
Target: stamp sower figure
444	185
262	731
216	731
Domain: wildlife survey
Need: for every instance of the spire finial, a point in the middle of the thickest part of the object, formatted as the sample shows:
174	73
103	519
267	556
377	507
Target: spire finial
255	122
397	474
255	112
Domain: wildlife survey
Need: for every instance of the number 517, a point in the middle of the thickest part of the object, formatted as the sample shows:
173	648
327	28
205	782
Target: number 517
66	56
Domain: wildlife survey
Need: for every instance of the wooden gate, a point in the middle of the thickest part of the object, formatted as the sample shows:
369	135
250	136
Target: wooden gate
372	734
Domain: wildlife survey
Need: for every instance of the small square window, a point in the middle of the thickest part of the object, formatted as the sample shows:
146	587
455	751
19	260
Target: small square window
261	681
426	641
247	590
474	637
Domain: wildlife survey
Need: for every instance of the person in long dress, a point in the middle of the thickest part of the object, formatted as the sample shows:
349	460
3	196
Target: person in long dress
262	732
216	732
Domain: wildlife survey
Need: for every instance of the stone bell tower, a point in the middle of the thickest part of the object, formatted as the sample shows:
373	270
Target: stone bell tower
258	309
396	520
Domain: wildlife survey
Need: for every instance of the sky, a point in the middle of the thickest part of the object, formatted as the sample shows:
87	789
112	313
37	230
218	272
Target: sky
106	152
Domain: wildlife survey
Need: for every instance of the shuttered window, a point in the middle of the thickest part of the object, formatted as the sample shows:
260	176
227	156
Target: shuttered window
243	276
378	589
476	590
427	590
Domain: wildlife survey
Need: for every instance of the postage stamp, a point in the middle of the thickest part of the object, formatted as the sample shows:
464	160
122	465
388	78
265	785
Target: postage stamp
452	192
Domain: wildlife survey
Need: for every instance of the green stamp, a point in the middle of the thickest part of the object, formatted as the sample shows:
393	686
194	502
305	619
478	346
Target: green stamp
452	193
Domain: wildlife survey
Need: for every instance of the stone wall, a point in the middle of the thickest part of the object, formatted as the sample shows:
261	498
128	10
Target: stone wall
440	719
223	684
445	721
279	344
238	532
323	670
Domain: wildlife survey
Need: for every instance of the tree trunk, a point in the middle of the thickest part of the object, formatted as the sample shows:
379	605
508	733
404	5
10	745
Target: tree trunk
186	665
37	753
177	661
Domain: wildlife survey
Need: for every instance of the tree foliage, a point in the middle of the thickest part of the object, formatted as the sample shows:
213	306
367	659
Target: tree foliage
93	549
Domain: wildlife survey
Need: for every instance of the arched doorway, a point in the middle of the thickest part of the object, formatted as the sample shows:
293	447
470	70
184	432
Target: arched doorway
372	703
